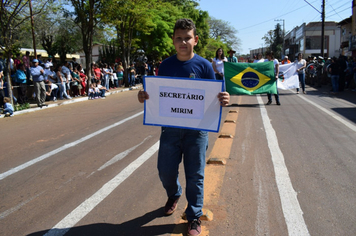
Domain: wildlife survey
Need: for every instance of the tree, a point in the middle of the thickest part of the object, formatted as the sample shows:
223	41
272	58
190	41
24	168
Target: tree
130	18
223	31
66	39
274	40
87	12
12	15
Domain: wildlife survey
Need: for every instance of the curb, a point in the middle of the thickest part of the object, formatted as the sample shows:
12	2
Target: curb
73	100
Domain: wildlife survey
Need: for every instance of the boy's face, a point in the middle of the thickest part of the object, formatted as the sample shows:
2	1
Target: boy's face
184	42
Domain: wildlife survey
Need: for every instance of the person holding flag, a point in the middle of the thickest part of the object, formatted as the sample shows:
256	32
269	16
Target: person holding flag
270	57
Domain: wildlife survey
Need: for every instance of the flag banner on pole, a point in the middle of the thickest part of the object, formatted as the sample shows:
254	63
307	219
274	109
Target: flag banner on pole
288	76
250	78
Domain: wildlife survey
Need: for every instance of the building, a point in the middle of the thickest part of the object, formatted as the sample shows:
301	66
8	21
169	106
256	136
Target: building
307	40
346	45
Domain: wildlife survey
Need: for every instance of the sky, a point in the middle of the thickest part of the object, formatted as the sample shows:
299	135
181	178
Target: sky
254	18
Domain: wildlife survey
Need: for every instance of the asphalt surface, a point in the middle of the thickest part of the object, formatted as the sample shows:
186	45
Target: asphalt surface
89	168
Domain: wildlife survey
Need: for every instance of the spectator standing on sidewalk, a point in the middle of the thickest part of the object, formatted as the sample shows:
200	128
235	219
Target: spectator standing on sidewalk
21	81
334	70
66	72
2	95
37	73
179	143
120	73
26	62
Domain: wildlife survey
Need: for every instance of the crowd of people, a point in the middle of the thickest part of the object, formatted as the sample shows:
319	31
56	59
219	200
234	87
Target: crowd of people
57	81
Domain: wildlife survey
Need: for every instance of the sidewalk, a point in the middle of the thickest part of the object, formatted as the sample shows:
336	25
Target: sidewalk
34	107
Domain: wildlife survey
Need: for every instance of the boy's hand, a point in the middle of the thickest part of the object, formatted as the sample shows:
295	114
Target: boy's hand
224	98
142	96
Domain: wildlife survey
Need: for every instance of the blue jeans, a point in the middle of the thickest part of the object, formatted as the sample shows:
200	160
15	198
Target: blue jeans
63	91
276	96
116	83
302	81
335	83
107	82
8	110
175	144
132	80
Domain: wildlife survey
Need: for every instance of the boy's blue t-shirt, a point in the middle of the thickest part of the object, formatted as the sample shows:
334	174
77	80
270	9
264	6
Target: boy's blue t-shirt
199	66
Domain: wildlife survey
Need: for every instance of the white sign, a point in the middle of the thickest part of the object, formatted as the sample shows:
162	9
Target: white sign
183	103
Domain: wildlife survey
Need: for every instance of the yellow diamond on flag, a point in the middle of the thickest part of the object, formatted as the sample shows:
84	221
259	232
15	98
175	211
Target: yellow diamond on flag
250	79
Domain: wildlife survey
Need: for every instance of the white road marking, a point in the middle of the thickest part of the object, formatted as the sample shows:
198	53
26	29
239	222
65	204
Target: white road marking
333	115
292	212
8	212
64	147
121	155
83	209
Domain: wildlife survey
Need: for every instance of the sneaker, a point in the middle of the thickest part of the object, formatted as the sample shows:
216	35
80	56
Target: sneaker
44	105
304	92
7	114
297	92
194	228
102	97
171	206
278	103
269	103
54	99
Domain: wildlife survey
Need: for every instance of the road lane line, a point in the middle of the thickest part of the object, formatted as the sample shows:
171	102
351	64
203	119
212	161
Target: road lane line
83	209
64	147
8	212
333	115
292	211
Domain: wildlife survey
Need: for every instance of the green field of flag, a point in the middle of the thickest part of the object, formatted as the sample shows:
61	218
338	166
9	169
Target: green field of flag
250	78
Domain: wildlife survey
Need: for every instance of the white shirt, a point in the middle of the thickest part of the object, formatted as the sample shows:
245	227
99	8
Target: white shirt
258	61
219	64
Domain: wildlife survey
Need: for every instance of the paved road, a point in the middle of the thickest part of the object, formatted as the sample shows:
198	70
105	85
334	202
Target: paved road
89	168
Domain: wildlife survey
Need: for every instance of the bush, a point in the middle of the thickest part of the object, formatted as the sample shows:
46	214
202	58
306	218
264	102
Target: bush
19	107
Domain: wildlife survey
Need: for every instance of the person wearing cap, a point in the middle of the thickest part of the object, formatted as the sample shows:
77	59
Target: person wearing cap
38	78
231	57
285	60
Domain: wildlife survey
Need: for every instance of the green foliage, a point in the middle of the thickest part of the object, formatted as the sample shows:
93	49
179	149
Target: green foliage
274	40
19	107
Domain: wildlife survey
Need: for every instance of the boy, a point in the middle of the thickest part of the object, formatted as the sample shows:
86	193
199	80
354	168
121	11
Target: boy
176	143
8	108
91	91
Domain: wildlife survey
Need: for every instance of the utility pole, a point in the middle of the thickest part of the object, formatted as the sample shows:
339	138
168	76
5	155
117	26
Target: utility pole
322	27
322	24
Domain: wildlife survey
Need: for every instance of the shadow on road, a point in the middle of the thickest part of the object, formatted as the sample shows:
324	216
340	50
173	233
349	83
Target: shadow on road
129	228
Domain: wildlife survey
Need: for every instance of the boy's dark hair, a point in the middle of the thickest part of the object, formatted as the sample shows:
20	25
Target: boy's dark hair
185	24
7	99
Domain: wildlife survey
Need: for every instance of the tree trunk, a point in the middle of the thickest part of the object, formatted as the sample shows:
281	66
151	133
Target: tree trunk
8	79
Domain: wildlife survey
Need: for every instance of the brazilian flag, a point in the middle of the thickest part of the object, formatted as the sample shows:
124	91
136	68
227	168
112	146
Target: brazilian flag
250	78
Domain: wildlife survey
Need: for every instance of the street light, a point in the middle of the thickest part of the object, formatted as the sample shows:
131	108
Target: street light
283	37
